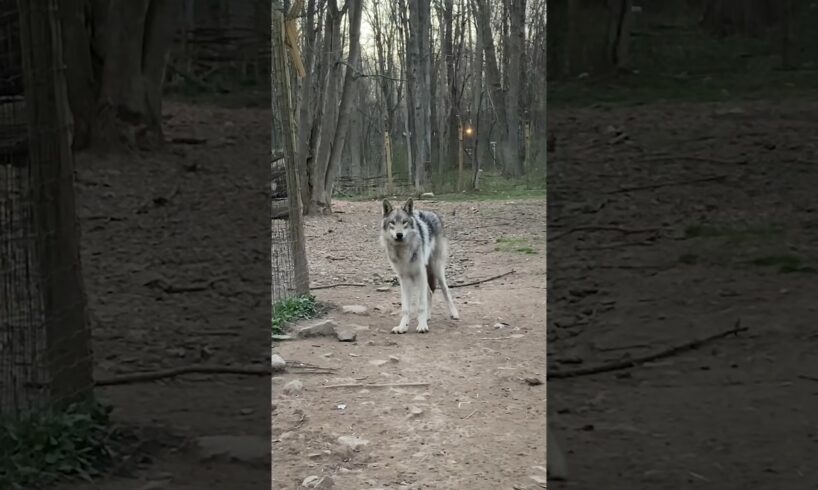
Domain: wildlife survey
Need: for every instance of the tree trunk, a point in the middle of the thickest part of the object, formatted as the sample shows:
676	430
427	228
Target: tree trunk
513	154
418	55
116	55
327	114
284	140
308	120
68	335
588	36
324	203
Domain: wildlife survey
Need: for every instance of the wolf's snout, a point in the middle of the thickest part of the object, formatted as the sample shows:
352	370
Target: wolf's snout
398	236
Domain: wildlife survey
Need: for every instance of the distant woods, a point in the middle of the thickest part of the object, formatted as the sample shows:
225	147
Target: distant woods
604	36
418	89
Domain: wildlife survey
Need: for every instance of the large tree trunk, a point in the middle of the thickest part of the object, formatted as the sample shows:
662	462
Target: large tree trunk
327	115
512	146
588	36
308	120
451	78
333	137
419	57
116	54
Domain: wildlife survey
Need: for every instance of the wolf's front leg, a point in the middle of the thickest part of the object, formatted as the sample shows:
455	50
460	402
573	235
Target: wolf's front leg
405	303
421	284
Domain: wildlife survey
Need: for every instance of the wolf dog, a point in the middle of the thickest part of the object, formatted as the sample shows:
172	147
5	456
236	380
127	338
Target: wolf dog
417	249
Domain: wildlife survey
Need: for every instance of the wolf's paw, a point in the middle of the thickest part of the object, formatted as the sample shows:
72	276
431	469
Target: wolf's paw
422	328
400	329
454	315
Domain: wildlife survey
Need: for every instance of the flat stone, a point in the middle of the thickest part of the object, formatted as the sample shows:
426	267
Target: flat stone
323	328
383	289
294	387
320	482
415	411
252	450
346	334
277	363
377	362
355	309
351	442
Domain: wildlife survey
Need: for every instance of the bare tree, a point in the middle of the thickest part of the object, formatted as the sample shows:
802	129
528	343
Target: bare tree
419	98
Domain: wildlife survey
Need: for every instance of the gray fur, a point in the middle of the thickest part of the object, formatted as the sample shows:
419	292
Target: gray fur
417	249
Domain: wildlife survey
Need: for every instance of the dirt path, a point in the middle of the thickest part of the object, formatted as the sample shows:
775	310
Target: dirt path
734	414
178	218
479	424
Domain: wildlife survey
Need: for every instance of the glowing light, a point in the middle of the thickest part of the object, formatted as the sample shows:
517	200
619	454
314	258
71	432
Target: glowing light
468	130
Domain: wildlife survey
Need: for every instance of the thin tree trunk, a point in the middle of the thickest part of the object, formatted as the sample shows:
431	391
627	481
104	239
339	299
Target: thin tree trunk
284	137
348	92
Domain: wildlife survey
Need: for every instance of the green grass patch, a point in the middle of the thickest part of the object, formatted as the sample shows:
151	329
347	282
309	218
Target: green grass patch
44	448
785	263
292	309
735	234
518	245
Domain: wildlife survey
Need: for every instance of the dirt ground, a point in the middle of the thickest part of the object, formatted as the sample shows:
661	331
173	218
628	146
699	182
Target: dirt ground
737	413
176	258
478	424
680	261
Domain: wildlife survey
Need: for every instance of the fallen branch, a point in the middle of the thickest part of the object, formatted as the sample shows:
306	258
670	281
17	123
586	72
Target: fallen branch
629	363
712	178
376	385
481	281
620	229
338	285
659	158
200	369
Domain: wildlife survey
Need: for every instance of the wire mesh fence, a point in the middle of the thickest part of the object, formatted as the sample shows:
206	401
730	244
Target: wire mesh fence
45	354
290	275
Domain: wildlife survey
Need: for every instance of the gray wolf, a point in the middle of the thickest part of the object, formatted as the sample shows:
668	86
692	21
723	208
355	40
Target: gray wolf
417	249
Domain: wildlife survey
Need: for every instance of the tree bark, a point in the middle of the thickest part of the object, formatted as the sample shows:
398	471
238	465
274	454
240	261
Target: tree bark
68	335
347	95
419	68
116	55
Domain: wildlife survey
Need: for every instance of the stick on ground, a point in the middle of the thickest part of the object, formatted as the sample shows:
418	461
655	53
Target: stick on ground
147	376
376	385
481	281
633	362
338	285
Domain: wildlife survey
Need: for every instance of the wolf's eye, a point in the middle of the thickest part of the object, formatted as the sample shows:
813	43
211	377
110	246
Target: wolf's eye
405	223
392	223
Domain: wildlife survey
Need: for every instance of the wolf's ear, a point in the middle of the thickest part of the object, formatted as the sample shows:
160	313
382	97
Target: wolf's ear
387	207
409	206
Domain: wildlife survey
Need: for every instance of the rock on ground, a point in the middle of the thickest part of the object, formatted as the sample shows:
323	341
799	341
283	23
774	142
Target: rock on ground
323	328
351	442
320	482
277	363
346	334
293	387
355	309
